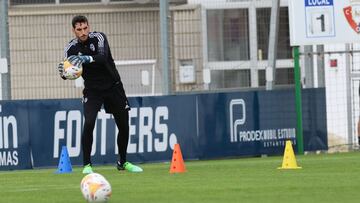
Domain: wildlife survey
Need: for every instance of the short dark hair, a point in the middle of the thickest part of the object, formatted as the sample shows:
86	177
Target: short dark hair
78	19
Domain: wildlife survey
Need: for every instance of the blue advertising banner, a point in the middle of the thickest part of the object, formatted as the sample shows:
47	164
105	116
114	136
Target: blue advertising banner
259	122
205	125
14	136
314	119
156	124
53	124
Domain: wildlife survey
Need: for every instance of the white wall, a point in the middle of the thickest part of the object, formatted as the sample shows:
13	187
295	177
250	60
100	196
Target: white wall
336	96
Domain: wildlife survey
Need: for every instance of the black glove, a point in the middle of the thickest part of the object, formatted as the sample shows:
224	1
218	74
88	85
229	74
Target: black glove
60	69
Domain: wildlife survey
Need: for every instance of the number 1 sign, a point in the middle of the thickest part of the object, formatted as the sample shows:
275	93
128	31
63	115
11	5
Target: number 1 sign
320	21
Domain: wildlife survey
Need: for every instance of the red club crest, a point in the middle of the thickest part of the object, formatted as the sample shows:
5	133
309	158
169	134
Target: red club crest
352	15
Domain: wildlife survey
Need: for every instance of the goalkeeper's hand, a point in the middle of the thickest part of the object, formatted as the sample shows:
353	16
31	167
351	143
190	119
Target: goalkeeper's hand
86	58
80	59
60	69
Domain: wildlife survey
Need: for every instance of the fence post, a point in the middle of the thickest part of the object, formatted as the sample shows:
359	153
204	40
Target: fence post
299	128
4	51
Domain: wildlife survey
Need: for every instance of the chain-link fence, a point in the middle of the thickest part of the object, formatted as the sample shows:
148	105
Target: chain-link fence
38	35
202	36
214	45
336	67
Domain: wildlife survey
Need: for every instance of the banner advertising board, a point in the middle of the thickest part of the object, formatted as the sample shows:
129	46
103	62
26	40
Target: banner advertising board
256	123
32	133
14	135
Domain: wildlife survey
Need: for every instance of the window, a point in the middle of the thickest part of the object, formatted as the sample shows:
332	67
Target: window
263	28
229	79
284	76
30	2
78	1
228	35
27	2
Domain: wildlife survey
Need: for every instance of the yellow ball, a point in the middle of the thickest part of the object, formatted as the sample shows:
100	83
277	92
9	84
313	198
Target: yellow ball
71	72
67	64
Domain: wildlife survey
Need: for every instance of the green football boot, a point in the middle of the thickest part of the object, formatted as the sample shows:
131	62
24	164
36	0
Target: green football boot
129	167
87	169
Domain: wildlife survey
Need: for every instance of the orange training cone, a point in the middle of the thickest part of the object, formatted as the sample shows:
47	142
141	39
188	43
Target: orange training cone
177	162
289	160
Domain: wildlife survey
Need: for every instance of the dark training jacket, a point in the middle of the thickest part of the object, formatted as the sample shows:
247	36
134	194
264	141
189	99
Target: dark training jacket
100	74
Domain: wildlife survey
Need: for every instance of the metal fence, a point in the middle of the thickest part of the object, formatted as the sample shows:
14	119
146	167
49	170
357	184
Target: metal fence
204	36
38	37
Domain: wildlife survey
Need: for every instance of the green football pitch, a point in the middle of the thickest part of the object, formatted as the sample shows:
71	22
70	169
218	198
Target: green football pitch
323	178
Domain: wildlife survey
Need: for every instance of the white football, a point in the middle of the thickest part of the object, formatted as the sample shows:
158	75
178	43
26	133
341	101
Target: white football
95	188
71	72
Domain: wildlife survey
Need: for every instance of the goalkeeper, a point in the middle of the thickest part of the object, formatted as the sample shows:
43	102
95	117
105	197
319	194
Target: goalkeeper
103	86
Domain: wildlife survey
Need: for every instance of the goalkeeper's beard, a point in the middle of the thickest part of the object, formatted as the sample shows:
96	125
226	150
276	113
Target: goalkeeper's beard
83	38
